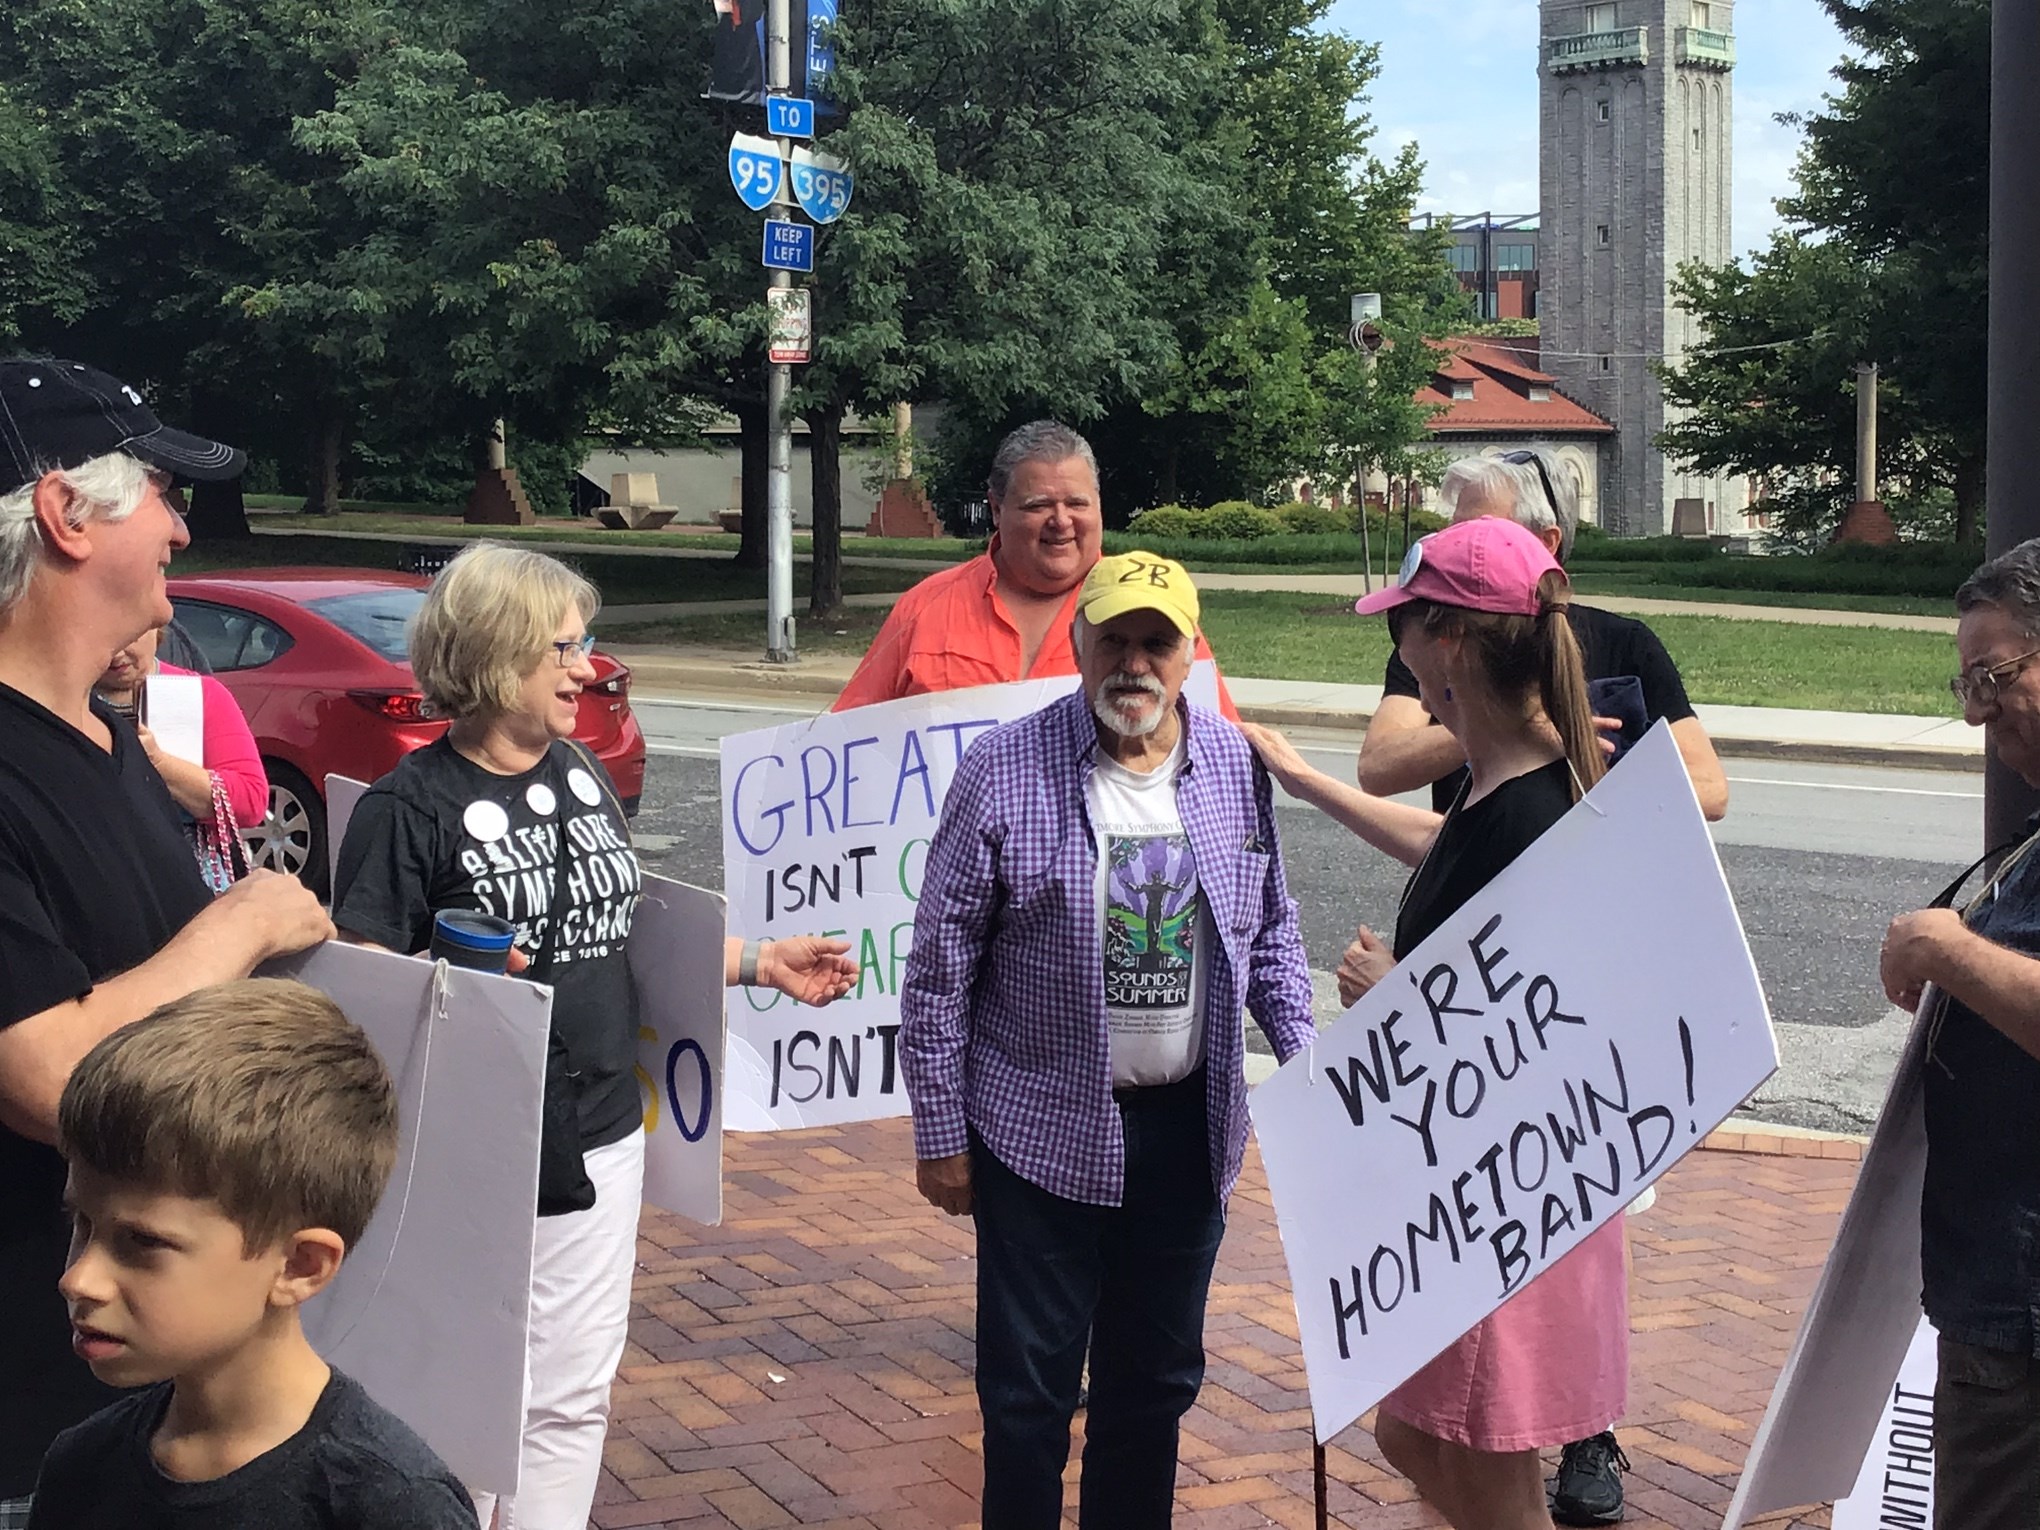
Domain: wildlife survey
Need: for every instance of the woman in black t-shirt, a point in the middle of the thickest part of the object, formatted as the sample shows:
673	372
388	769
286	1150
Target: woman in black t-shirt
1479	618
506	815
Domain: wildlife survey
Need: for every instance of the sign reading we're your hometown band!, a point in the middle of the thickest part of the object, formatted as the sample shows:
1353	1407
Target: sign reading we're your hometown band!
826	826
1512	1085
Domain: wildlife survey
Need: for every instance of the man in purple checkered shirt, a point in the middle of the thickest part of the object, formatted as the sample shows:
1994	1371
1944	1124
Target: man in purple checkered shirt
1104	895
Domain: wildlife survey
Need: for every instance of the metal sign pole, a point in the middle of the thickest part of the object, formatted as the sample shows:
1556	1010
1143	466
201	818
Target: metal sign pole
779	641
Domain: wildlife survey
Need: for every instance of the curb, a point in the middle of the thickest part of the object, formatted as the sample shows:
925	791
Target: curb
1739	1134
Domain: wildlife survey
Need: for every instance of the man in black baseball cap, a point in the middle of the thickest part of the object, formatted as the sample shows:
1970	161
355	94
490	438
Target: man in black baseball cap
103	914
63	414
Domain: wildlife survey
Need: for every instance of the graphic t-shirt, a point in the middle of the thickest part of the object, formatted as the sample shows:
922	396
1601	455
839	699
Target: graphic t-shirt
440	832
1153	921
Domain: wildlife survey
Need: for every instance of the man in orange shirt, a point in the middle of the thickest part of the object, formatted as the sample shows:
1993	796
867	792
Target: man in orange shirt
1006	614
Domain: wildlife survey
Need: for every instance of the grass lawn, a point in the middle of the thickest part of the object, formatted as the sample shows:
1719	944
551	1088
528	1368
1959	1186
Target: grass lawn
1304	637
1661	583
622	579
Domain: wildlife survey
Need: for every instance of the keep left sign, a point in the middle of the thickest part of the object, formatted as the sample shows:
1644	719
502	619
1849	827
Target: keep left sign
1516	1081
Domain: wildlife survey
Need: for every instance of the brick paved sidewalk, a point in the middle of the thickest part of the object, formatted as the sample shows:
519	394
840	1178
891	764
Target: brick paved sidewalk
809	1362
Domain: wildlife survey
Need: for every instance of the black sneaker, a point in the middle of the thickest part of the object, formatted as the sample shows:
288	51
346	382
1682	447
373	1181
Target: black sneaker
1587	1490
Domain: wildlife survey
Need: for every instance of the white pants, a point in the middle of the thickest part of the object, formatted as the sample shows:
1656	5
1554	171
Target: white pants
581	1269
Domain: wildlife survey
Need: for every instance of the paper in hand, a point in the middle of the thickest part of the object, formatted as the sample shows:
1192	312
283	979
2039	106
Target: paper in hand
174	708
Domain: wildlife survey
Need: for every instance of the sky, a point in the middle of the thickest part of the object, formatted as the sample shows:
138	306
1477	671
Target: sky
1459	78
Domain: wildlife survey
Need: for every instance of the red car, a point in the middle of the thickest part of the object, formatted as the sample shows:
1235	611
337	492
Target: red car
318	661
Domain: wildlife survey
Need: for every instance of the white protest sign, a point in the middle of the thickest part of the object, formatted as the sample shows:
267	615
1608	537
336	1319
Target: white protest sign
676	961
343	796
430	1310
826	825
1864	1315
1514	1083
1896	1484
173	708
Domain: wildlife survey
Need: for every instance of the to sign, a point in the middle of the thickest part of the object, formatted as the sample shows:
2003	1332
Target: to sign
756	170
793	325
821	185
788	246
789	117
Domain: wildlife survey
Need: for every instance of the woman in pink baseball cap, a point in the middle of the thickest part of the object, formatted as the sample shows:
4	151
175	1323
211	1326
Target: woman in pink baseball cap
1479	617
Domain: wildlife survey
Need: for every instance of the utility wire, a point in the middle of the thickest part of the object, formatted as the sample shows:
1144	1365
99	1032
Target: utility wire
1698	350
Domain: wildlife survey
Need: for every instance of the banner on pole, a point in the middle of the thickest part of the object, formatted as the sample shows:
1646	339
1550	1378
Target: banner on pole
433	1329
737	72
826	825
1512	1085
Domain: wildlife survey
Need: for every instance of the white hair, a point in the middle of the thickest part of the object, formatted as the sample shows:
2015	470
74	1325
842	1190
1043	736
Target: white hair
1518	482
109	488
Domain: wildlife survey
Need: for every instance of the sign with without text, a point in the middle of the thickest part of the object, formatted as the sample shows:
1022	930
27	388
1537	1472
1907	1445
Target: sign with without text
825	832
1512	1085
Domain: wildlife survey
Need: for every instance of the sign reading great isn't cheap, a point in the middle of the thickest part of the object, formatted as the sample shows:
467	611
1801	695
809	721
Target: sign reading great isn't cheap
1520	1077
825	827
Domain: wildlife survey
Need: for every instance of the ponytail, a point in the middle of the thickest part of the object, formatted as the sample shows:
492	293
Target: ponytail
1562	685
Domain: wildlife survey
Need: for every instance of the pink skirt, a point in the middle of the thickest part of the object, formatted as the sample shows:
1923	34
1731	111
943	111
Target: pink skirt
1548	1367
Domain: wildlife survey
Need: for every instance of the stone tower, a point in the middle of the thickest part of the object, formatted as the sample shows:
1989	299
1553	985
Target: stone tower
1634	115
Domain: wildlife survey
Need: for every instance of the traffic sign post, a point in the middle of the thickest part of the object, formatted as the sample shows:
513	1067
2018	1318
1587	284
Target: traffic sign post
788	246
790	339
789	117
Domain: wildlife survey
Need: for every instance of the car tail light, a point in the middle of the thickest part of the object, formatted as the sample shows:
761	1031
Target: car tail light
395	706
617	684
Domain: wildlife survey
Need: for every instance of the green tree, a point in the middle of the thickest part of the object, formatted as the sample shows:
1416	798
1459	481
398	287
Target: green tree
1884	258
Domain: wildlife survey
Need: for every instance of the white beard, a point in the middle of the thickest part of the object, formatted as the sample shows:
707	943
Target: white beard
1110	708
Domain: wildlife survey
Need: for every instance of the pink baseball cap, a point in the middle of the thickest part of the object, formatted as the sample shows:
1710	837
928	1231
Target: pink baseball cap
1486	564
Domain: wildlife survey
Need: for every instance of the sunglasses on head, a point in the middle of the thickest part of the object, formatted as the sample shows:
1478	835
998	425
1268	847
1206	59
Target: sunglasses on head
1543	477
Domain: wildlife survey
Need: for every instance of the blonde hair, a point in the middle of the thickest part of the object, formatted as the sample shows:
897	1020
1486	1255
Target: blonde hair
487	622
1522	657
259	1095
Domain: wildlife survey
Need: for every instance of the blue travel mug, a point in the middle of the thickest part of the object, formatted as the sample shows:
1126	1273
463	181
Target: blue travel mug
464	938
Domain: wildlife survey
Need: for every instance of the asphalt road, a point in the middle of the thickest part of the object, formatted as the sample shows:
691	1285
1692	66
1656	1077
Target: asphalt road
1819	858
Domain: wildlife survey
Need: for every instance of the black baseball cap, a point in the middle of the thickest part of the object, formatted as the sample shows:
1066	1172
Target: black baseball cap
62	414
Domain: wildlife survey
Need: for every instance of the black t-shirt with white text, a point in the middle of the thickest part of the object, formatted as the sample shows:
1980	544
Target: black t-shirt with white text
440	832
354	1466
96	877
1611	647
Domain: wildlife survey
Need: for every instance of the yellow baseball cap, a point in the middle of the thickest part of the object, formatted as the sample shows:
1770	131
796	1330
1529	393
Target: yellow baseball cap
1139	581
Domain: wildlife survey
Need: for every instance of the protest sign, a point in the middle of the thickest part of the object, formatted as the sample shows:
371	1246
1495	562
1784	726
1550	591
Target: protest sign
1863	1316
676	961
343	796
826	825
1896	1484
1517	1080
429	1311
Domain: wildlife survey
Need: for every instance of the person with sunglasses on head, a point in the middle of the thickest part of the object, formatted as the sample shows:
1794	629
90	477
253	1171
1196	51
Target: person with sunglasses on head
1480	619
1980	1200
1402	752
1633	684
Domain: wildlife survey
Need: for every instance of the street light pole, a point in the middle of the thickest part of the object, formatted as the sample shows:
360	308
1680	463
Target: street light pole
779	642
2012	516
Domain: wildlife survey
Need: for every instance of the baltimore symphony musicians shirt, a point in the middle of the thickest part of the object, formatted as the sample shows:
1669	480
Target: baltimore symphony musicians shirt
440	832
1153	924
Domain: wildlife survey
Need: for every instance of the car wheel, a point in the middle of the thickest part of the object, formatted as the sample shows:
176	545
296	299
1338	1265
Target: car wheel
292	839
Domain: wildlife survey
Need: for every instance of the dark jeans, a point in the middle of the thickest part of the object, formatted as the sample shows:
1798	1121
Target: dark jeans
1129	1280
1986	1440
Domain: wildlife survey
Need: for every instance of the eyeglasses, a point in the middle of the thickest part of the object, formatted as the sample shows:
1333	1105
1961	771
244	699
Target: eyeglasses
1981	685
1543	477
572	651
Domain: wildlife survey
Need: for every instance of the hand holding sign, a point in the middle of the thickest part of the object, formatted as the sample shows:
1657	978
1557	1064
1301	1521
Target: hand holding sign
1502	1093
